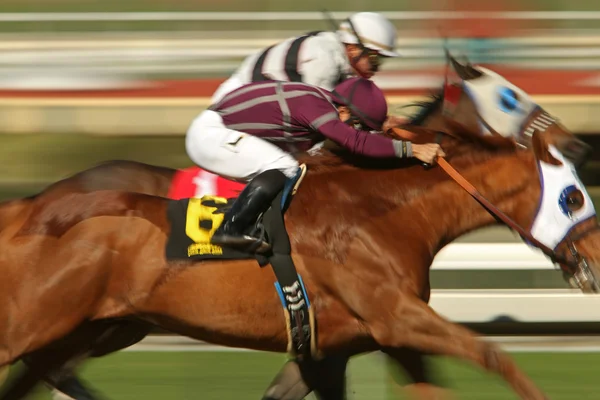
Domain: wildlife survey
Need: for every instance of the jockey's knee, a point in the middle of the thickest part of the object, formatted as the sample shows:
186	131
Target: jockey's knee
286	164
289	167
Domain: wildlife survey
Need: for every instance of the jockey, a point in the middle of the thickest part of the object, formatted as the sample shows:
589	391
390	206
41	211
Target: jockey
321	59
251	134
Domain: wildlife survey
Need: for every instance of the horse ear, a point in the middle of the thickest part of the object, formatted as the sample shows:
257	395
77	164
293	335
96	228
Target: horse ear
540	149
466	72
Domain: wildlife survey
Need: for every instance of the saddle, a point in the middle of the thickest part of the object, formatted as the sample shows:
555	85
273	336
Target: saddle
193	221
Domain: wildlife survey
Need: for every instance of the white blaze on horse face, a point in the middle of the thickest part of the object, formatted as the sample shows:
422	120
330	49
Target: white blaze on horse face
502	105
553	220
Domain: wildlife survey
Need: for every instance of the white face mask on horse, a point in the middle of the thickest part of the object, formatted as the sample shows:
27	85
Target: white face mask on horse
506	110
503	106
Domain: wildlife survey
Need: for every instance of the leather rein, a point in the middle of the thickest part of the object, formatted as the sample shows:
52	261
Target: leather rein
576	265
495	211
571	262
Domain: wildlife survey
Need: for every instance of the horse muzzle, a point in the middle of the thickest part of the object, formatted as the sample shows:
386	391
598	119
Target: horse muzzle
582	278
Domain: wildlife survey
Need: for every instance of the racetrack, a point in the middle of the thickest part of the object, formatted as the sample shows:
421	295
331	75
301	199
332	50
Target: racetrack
514	344
211	375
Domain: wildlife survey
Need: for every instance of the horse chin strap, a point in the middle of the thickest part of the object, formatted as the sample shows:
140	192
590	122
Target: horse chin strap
575	267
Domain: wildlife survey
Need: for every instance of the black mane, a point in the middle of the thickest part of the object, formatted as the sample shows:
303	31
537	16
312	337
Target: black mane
426	107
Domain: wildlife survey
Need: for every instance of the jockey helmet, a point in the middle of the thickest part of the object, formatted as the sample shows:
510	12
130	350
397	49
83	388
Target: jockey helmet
365	100
375	32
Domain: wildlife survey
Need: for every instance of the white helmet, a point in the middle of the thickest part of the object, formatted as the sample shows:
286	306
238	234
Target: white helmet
376	32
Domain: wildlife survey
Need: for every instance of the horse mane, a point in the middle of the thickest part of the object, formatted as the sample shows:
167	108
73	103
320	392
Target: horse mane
425	108
334	157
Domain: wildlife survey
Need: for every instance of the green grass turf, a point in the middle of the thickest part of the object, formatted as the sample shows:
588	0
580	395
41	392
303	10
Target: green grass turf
225	375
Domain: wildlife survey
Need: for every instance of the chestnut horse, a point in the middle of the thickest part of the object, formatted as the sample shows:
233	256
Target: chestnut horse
364	234
156	180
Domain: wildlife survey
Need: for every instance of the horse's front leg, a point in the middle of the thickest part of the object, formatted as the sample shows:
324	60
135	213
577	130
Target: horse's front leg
412	323
326	377
288	384
424	385
58	360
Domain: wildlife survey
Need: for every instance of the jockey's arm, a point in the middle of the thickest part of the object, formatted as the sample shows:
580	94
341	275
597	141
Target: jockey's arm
365	143
325	119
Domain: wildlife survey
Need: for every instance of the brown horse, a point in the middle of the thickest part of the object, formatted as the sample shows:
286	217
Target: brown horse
155	180
364	234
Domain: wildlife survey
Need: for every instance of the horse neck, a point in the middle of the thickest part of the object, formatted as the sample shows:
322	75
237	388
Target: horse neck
408	211
508	181
464	214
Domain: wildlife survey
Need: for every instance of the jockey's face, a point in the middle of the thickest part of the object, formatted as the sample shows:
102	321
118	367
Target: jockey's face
365	62
344	113
346	116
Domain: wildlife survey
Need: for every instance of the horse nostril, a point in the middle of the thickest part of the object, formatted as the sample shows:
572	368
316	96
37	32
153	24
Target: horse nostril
577	151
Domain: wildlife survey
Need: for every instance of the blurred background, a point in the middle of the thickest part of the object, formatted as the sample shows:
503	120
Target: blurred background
83	81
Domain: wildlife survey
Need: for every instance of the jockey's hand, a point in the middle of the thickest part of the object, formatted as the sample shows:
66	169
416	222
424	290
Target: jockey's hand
427	152
392	122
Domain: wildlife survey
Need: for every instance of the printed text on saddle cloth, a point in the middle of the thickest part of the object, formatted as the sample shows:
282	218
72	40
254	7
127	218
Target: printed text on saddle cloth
556	214
196	182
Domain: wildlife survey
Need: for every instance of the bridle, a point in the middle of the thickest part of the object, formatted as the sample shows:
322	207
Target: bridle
572	263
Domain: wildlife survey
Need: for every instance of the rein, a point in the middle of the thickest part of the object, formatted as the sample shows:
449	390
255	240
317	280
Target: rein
492	209
577	266
570	261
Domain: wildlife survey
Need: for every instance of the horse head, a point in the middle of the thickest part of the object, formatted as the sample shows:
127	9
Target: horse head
552	212
486	103
536	187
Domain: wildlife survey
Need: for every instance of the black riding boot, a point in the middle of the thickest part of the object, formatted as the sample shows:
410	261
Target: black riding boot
254	200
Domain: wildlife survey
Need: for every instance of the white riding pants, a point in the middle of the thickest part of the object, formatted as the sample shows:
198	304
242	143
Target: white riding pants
225	88
233	154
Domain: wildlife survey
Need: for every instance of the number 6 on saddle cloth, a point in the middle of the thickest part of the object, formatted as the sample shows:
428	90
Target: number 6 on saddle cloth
193	221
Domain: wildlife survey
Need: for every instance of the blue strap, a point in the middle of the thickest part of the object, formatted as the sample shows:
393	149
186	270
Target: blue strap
282	297
287	188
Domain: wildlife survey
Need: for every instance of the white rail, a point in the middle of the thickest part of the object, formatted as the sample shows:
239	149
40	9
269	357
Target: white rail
522	305
491	256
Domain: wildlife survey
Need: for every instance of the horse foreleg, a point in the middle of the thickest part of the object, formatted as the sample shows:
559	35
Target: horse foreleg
326	377
63	355
417	326
423	382
71	388
47	362
289	384
64	382
116	335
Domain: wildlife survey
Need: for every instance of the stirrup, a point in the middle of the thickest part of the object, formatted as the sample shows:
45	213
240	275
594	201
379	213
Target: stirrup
242	242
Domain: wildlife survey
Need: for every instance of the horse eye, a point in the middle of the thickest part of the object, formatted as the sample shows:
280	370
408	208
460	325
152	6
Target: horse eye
571	200
508	99
575	201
